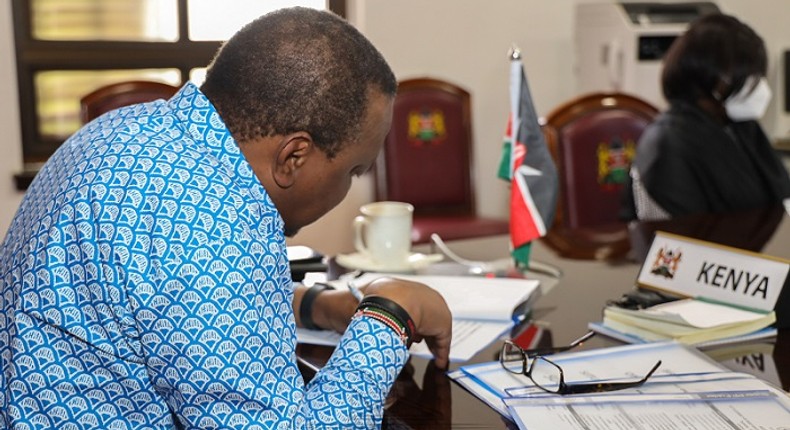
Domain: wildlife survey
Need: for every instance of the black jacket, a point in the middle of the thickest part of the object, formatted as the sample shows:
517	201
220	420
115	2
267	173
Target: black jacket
689	163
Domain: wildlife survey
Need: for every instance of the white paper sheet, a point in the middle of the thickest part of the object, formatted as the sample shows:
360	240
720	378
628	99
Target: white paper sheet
674	384
698	313
701	411
469	337
473	297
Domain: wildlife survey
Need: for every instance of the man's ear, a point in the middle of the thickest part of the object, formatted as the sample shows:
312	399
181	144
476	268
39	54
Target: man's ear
292	153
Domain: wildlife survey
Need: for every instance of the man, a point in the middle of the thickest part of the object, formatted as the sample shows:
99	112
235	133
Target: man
145	279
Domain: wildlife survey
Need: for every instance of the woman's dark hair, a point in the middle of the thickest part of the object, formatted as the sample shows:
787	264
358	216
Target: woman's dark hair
715	48
297	69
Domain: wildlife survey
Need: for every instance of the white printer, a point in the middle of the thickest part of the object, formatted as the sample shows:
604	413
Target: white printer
619	45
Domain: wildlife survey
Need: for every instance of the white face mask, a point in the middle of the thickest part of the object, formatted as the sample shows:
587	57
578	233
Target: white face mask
749	104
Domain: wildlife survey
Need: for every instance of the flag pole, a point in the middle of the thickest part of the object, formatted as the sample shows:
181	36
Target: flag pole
520	254
533	176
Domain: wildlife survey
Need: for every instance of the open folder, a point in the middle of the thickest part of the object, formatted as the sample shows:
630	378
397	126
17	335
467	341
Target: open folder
483	310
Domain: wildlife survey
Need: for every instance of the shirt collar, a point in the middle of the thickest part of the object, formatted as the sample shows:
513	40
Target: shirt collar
202	122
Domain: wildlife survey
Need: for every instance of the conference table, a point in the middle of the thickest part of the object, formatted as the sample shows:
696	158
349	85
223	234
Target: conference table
425	398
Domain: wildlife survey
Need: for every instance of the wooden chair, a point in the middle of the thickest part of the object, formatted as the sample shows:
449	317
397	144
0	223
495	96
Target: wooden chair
113	96
427	161
593	139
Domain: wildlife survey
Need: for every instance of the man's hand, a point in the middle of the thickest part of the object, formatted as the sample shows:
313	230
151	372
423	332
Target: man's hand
333	310
426	307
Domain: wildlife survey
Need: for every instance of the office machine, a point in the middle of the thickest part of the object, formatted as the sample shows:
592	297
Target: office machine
619	45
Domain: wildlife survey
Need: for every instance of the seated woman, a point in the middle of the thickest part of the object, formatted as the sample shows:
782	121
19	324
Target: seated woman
707	153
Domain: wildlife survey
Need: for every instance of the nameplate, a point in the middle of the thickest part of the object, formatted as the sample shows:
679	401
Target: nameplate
695	268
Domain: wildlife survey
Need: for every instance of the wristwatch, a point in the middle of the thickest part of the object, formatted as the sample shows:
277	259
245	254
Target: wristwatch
306	307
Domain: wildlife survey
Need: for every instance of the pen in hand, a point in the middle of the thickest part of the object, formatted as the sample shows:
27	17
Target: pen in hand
355	291
352	287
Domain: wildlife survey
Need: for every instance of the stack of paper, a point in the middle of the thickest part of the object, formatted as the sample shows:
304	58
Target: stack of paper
690	321
707	392
482	308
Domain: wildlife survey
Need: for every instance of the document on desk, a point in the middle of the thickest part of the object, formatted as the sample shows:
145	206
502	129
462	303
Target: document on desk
673	384
604	364
758	409
492	384
469	337
482	310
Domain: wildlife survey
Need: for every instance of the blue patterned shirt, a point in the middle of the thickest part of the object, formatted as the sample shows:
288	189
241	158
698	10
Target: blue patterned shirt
145	281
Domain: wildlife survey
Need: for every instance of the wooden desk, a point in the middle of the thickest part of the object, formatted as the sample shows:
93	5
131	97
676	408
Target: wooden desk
424	398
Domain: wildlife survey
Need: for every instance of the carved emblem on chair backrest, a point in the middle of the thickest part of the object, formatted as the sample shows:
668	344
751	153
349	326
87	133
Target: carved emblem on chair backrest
426	126
614	161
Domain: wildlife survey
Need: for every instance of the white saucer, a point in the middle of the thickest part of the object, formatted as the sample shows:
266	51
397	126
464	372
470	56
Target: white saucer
360	261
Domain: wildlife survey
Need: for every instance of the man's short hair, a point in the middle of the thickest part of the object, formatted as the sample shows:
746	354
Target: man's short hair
715	47
297	69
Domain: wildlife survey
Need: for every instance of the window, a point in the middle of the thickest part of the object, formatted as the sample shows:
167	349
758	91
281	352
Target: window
66	49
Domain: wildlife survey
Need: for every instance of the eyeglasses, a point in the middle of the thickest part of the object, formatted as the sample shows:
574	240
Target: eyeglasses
548	376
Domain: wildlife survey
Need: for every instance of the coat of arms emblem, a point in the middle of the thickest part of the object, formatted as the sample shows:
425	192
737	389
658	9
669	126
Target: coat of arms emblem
666	263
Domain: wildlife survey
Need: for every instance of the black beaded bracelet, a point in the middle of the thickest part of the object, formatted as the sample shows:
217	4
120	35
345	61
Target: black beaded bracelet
395	310
306	307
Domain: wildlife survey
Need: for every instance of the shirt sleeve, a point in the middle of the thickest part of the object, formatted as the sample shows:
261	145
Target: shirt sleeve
350	390
218	334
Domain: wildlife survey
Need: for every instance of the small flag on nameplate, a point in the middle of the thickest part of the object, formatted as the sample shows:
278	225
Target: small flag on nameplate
528	166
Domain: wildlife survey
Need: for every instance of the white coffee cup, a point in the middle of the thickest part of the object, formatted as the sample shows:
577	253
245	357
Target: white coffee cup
383	233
